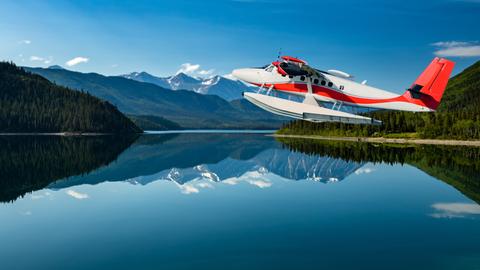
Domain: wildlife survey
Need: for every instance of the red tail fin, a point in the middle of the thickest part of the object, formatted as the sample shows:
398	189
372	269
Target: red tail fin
429	87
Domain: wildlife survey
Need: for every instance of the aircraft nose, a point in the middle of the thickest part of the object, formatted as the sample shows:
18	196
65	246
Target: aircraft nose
250	75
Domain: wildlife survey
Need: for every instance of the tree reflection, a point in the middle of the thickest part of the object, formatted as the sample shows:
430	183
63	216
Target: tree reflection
458	166
30	163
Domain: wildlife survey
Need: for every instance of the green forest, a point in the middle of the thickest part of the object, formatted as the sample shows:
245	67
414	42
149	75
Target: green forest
458	116
30	103
152	122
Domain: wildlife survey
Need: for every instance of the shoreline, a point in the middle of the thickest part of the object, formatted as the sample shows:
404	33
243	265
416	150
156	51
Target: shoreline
146	132
66	134
384	140
208	131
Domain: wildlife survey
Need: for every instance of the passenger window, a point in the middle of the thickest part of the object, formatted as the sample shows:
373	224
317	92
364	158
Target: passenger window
302	78
290	76
341	87
330	84
323	82
315	81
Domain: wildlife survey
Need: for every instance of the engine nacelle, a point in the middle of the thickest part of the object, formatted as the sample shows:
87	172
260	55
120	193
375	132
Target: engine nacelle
339	73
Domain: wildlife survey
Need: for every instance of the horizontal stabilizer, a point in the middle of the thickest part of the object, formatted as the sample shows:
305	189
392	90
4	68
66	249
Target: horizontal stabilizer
305	111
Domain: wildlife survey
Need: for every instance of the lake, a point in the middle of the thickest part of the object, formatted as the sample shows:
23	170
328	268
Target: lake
235	201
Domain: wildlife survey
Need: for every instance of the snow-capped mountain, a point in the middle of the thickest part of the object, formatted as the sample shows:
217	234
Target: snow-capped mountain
148	78
218	85
56	67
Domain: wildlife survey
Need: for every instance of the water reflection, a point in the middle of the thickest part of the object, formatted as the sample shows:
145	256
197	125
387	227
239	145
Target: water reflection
203	158
455	210
29	163
458	166
181	197
197	161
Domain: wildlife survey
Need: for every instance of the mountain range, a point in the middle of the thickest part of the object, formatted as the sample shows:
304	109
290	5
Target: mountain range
223	87
188	108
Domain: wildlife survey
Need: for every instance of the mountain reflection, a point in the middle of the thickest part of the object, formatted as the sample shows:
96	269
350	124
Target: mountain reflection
213	157
195	161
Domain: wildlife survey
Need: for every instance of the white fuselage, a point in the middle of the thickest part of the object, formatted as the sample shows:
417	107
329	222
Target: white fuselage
328	88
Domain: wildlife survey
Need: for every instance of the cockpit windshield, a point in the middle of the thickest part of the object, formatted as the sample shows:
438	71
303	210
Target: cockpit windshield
269	68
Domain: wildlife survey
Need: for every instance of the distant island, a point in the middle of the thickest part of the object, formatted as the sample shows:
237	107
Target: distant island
30	103
457	118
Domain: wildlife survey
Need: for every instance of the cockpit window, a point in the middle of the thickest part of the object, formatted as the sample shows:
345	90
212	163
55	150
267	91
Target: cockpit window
269	68
293	69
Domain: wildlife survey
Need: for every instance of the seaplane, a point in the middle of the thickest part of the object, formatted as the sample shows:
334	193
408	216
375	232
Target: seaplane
325	92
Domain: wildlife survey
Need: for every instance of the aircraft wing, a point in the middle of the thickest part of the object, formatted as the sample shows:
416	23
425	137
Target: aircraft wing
305	111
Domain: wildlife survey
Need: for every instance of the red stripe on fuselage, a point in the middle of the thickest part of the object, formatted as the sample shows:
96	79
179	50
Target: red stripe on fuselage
333	94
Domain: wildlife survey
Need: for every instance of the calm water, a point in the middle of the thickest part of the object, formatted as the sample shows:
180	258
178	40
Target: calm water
235	201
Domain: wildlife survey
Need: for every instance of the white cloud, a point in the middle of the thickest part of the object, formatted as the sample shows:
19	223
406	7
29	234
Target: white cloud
455	210
77	195
194	186
188	68
205	72
76	61
364	170
36	58
260	183
204	185
25	41
26	213
450	43
256	178
45	60
194	70
188	189
231	181
457	49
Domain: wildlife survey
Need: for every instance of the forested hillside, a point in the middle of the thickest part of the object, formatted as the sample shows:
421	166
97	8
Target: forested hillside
458	116
151	122
30	103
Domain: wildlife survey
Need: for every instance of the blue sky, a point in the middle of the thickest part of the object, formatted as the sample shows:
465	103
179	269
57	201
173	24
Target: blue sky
386	42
